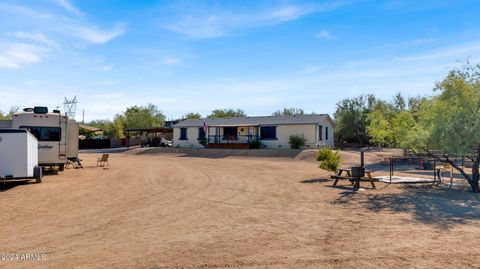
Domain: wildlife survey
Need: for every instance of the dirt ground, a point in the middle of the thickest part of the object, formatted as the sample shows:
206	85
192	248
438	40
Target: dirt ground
161	210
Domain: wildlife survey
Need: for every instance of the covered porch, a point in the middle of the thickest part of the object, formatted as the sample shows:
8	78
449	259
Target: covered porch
232	136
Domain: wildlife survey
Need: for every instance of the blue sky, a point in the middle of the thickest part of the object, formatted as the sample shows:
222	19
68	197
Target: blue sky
195	56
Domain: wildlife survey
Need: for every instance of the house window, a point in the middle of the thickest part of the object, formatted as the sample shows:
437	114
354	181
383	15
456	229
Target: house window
201	133
268	132
320	132
326	132
230	133
183	133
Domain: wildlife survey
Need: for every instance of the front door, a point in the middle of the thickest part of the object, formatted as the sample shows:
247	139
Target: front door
230	133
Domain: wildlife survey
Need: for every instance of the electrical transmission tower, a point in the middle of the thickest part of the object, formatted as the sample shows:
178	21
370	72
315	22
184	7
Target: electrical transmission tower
70	107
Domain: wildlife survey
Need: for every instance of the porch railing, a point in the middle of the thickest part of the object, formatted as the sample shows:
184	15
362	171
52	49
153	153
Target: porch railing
232	139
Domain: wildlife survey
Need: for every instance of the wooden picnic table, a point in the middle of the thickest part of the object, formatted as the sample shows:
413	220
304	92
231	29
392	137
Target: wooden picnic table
349	177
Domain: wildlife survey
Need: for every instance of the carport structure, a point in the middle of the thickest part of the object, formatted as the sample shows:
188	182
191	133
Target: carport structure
166	133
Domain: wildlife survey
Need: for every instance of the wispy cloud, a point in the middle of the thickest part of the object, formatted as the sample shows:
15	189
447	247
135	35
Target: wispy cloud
108	95
105	68
97	36
36	37
69	6
311	69
198	23
171	60
24	11
15	55
40	34
327	35
462	51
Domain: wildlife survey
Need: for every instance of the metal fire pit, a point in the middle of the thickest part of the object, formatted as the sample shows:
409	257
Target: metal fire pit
358	172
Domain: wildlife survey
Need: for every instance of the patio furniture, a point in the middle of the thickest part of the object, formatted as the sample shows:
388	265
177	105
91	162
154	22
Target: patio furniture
104	160
349	177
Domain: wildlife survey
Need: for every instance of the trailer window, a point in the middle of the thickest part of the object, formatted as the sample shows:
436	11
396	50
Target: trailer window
44	133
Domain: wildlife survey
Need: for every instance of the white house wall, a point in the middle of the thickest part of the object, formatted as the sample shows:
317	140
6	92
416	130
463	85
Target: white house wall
284	132
325	142
309	131
192	137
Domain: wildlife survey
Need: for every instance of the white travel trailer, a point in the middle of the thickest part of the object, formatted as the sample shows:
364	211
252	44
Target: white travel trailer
56	134
18	156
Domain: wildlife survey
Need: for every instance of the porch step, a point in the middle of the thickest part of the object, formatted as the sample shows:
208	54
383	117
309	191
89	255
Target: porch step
229	145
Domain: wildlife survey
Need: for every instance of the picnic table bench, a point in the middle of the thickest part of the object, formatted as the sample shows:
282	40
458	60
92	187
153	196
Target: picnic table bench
349	177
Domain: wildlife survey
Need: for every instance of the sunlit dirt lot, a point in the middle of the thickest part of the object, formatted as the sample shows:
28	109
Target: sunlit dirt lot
158	210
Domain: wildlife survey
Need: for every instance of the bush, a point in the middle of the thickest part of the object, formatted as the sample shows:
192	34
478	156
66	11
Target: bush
203	141
255	144
328	159
296	141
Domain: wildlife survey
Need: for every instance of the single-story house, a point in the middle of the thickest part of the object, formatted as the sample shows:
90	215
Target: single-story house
270	131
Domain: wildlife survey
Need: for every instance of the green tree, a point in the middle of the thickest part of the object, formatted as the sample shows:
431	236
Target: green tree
9	115
289	112
351	117
191	116
140	117
450	122
328	159
108	127
227	113
297	141
389	123
399	103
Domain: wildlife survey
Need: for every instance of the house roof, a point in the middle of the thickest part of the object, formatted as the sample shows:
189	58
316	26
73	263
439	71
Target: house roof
258	120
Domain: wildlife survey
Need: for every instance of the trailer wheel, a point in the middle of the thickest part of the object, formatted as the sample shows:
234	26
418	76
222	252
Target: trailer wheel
37	174
61	167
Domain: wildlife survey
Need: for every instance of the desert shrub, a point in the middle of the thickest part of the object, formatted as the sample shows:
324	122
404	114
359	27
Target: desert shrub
203	141
329	160
255	144
296	141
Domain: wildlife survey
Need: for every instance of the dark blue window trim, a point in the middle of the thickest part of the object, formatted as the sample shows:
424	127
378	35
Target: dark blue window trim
183	134
201	133
268	132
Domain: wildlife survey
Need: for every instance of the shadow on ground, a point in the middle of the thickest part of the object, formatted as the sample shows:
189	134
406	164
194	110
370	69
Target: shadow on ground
50	172
438	206
314	180
10	185
222	153
13	184
109	150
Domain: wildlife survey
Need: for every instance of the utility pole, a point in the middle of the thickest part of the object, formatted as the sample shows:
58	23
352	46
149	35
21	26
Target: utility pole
70	107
